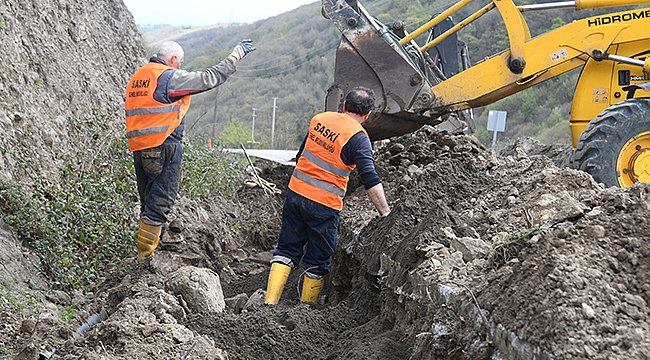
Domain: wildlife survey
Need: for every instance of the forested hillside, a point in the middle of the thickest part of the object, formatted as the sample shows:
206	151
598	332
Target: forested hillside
295	64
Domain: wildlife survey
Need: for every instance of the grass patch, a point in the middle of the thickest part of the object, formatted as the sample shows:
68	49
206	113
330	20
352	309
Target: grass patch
67	313
16	306
19	304
507	246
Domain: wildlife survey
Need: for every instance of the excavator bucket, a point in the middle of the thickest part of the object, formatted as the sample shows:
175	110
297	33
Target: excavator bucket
370	55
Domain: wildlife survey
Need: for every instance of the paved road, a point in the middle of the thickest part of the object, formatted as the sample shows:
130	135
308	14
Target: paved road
285	157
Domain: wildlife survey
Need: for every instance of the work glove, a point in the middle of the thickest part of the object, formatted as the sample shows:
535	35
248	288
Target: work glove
243	48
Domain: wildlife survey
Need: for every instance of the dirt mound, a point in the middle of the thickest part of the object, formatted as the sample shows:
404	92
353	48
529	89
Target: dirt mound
507	256
560	154
482	256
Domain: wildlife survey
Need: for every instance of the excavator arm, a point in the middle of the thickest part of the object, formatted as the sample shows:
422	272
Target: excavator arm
545	57
412	91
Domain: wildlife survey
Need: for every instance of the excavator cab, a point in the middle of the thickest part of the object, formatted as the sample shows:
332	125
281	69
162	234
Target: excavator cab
445	56
451	57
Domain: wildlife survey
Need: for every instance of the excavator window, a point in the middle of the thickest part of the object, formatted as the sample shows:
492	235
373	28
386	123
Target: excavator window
624	77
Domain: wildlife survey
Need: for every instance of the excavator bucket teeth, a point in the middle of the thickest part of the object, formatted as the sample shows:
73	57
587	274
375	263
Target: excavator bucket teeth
369	55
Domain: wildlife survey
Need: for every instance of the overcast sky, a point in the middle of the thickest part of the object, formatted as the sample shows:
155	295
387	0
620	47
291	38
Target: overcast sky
208	12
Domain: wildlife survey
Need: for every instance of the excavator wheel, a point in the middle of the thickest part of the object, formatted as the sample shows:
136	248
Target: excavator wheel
615	146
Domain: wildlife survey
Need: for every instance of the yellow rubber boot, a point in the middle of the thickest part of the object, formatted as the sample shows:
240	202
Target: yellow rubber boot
277	279
148	238
311	289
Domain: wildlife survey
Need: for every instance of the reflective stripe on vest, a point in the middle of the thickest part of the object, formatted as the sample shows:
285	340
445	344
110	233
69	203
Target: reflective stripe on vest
149	122
320	174
319	184
149	111
147	131
323	165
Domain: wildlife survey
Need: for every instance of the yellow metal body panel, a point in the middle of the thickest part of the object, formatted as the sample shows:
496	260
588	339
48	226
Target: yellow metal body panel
598	86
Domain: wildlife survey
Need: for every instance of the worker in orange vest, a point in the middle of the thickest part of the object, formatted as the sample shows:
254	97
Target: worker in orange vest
335	144
157	100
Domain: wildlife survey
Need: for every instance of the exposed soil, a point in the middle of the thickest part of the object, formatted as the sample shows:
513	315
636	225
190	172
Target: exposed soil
483	256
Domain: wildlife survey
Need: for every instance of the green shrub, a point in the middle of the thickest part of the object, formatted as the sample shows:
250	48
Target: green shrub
83	222
22	212
207	172
86	220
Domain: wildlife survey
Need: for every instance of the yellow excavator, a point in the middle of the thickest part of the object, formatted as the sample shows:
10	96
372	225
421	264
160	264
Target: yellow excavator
435	83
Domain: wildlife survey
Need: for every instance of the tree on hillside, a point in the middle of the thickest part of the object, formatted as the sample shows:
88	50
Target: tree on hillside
234	133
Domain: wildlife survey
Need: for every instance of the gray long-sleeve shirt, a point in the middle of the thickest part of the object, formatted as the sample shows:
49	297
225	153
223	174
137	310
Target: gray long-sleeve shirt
174	84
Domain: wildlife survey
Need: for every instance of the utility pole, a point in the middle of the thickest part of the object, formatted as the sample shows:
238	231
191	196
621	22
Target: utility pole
216	102
273	122
253	127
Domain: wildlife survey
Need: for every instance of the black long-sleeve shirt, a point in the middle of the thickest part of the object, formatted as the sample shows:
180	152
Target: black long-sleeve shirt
358	151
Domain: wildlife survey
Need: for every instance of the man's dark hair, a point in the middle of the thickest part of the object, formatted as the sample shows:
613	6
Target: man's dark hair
360	100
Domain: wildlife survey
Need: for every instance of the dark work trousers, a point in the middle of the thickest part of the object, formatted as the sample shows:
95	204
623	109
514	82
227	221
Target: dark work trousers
307	222
158	173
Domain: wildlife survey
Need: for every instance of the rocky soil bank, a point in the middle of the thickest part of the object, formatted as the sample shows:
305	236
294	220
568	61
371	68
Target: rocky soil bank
482	256
62	62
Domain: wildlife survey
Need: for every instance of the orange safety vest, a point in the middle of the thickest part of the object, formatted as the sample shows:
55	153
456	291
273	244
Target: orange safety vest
320	174
149	122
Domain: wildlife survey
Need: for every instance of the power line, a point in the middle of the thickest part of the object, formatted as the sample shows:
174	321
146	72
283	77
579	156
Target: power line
325	46
296	62
257	69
